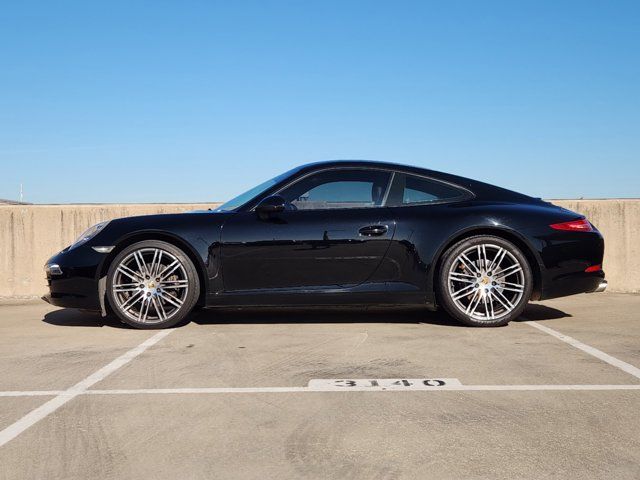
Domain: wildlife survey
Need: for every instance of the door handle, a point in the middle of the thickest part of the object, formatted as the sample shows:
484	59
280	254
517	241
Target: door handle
373	230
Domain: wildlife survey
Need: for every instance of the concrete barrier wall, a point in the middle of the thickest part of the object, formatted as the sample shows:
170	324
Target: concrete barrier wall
30	234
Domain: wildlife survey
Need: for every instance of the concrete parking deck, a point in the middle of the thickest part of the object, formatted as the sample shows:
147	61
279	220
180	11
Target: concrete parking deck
554	395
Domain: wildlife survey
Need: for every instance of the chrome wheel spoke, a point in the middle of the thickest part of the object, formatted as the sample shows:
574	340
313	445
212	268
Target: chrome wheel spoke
473	304
154	266
133	299
174	283
144	310
462	277
468	263
497	260
124	285
464	292
125	289
482	256
512	285
130	273
503	300
169	270
157	304
142	266
510	289
157	272
489	306
508	271
172	300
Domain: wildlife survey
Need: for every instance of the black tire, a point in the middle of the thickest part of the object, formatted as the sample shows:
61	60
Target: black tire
454	301
180	311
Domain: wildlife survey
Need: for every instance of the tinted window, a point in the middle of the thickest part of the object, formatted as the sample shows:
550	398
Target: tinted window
341	188
252	193
410	189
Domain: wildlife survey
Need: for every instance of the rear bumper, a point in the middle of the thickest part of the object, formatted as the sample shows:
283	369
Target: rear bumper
567	262
573	284
602	287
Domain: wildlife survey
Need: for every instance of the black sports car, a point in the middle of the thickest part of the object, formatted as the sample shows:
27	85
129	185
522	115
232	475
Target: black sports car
337	233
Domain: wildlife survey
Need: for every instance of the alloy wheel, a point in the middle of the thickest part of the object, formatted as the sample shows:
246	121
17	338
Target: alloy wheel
486	282
150	285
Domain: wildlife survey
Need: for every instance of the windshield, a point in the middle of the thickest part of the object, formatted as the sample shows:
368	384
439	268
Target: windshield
251	193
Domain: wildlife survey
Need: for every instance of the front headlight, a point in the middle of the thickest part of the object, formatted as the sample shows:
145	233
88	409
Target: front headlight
88	234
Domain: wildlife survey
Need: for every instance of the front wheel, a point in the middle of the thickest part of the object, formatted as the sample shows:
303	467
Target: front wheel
152	284
484	281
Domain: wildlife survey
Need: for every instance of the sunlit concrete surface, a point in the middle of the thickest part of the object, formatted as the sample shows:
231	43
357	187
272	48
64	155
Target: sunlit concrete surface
143	433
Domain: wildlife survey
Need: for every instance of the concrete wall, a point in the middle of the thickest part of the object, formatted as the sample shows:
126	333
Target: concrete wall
30	234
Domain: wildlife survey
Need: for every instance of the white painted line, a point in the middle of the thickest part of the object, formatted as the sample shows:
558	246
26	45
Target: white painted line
33	393
455	388
200	390
15	429
318	389
605	357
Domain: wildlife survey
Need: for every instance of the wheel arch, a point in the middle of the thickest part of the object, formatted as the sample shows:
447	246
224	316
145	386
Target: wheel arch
163	236
507	234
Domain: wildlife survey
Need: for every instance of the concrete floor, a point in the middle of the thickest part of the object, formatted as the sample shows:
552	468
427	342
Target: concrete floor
123	432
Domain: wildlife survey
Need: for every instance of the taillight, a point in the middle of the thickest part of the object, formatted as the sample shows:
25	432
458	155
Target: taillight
593	268
581	225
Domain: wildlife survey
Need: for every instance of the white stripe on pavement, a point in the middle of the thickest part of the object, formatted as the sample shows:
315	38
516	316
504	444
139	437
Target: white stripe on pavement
478	388
15	429
605	357
32	393
221	390
455	388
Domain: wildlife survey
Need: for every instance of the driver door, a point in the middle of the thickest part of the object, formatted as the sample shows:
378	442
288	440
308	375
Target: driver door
333	235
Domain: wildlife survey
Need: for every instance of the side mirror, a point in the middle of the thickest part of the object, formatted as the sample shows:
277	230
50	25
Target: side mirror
271	205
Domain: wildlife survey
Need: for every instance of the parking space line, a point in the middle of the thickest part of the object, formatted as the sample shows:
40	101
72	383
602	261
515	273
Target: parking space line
605	357
323	389
32	393
15	429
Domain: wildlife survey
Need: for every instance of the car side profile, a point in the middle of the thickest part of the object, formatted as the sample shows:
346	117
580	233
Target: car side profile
336	233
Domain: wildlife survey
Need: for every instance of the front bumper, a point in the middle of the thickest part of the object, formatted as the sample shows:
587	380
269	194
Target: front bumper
72	278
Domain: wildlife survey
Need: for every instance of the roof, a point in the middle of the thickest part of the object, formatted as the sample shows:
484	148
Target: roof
480	189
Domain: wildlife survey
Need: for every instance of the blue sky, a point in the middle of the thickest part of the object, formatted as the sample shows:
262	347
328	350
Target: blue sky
198	100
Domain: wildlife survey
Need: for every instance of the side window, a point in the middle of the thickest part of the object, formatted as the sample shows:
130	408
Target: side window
411	189
339	188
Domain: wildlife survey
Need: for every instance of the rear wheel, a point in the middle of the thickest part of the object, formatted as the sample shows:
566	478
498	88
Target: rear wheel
484	281
152	284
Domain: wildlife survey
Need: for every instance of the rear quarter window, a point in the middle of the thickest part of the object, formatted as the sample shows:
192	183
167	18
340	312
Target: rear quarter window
415	190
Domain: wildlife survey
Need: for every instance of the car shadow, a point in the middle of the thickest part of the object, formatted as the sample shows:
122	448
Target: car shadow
322	315
70	317
537	312
220	316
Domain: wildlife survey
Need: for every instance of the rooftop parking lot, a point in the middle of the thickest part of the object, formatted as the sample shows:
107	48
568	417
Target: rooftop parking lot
555	395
